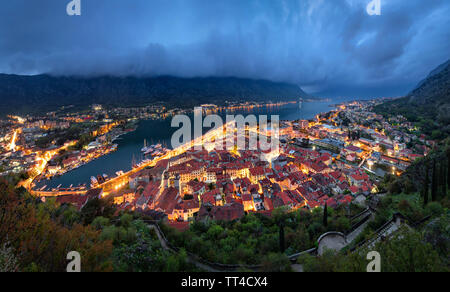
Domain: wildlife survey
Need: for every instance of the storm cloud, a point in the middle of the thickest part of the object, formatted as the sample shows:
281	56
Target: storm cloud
328	47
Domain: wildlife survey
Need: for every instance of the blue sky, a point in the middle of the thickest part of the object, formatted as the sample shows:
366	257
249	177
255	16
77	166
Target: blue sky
328	47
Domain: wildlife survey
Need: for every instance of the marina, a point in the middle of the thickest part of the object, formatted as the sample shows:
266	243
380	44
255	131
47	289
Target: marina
129	152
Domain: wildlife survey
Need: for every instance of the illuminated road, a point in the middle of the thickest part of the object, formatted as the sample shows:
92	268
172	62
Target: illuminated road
120	181
12	144
38	170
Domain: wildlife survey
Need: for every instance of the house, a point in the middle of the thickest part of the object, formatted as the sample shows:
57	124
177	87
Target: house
228	212
247	202
354	190
125	197
268	205
135	178
313	167
258	202
389	160
351	157
184	211
142	202
195	188
167	201
331	202
352	149
77	201
257	174
357	179
70	161
285	200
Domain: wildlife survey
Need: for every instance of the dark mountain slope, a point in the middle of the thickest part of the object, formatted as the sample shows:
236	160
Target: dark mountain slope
45	92
428	104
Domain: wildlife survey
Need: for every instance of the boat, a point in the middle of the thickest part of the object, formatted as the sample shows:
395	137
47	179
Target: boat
100	179
146	148
94	180
149	151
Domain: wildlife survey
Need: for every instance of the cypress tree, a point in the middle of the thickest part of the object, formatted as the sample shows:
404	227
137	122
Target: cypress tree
434	183
448	168
282	245
425	186
325	216
442	182
445	181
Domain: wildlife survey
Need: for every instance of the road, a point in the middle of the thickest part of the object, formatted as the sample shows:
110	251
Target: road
119	181
44	159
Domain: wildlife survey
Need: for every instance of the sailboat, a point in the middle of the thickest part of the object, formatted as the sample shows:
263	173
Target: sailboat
145	149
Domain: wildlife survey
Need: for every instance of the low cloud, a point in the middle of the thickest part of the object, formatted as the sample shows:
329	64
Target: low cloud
328	47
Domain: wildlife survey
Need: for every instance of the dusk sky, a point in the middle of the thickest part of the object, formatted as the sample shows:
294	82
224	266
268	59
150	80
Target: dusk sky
328	47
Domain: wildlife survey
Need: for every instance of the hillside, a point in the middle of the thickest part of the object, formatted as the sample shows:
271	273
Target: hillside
428	103
436	71
23	94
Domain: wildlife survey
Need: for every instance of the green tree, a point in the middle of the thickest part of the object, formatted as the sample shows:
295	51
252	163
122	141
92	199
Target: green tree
445	187
100	222
332	261
407	251
276	262
442	182
40	242
325	216
425	186
448	168
282	239
434	183
8	260
95	208
383	149
437	233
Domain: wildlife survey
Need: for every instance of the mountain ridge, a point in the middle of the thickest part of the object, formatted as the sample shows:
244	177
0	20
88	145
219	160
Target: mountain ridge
435	71
27	94
428	104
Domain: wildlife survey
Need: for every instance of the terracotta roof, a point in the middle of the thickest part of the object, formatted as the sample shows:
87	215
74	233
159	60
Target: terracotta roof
76	200
180	226
228	212
247	198
94	193
167	201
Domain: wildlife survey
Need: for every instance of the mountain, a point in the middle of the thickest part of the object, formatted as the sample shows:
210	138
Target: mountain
26	94
428	104
436	71
435	91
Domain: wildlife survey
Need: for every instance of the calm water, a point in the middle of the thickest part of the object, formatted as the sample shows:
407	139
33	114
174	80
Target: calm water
129	145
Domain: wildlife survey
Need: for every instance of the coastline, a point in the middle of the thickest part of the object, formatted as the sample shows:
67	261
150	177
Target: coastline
290	112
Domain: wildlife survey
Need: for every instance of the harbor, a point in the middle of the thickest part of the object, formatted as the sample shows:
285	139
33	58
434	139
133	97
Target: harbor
129	153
